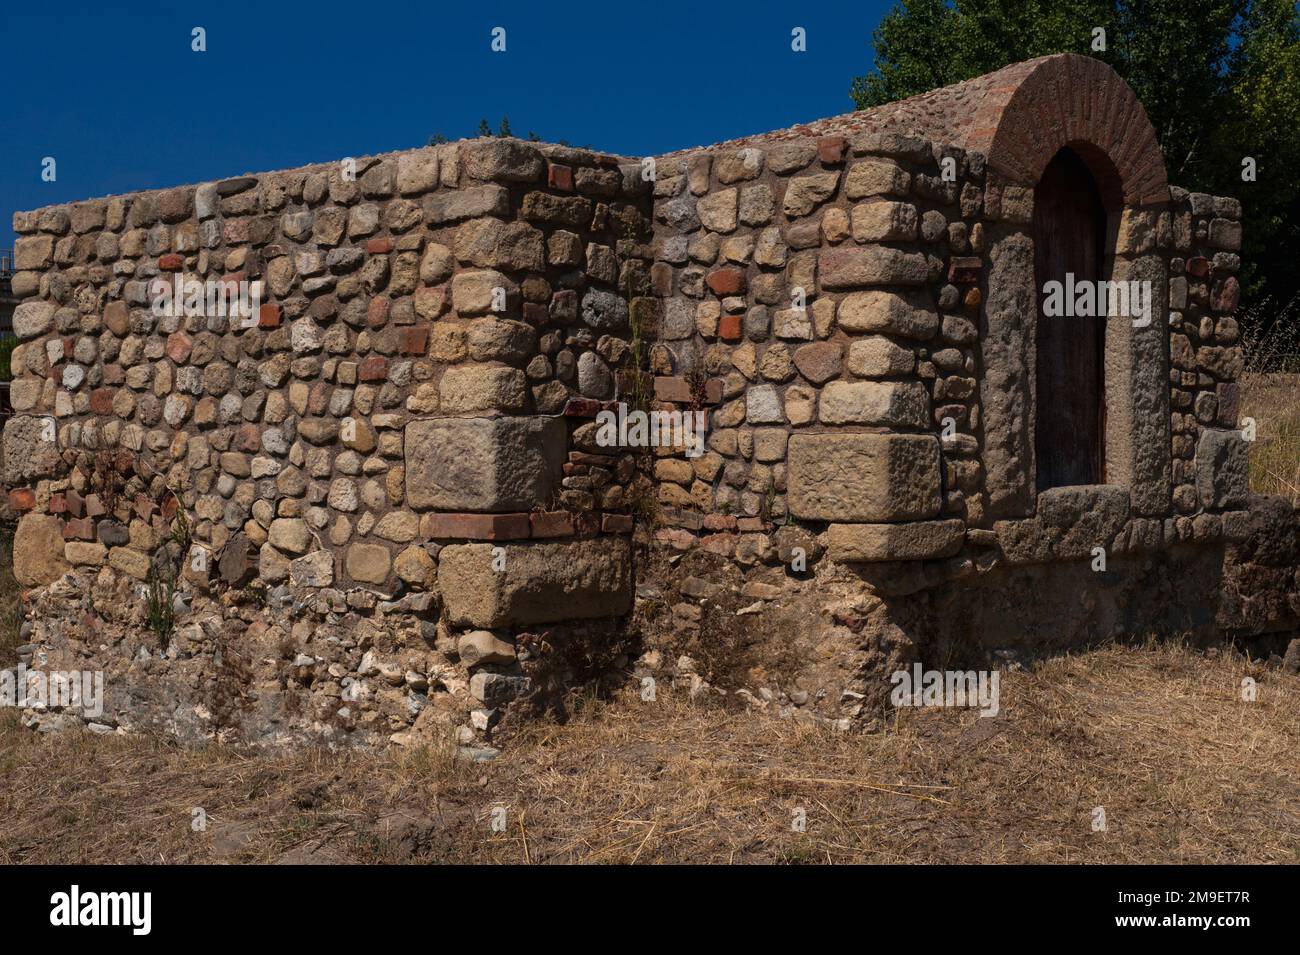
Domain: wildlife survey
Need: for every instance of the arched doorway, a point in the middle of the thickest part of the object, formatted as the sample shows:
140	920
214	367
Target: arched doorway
1069	230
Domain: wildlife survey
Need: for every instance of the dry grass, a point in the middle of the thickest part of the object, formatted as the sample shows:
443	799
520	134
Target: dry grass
1270	341
1158	736
11	613
1273	400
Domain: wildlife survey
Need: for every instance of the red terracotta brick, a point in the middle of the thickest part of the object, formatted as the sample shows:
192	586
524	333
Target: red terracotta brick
719	522
616	523
58	503
379	246
965	269
415	340
726	281
729	328
1199	266
721	544
831	149
551	523
75	505
488	527
22	499
536	315
171	262
69	346
268	316
374	368
559	176
377	313
79	529
674	388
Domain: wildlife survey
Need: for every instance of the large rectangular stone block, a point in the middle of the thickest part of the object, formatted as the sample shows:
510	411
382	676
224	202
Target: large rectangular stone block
914	540
1222	470
1007	384
904	404
1136	368
848	267
864	477
39	551
30	448
1069	523
535	582
483	464
910	314
453	205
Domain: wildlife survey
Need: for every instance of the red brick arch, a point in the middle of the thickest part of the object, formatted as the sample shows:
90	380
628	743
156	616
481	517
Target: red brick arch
1030	110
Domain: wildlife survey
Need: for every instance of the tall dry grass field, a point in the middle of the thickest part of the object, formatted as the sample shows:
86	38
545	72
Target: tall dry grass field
11	614
1271	395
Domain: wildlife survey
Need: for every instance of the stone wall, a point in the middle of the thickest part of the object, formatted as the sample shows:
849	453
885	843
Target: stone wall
865	327
385	507
805	282
434	326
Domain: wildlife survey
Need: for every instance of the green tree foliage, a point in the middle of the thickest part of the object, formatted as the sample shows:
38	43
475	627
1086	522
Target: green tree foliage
503	129
1220	80
7	346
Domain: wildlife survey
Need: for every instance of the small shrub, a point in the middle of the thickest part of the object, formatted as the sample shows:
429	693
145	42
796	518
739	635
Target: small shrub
162	588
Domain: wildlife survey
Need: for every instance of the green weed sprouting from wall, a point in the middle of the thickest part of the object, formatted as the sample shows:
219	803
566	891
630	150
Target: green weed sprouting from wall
164	570
161	587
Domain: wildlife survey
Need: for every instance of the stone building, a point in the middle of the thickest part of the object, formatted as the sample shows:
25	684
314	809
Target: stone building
386	503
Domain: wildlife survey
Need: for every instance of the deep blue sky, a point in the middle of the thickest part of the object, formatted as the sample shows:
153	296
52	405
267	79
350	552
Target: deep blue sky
119	100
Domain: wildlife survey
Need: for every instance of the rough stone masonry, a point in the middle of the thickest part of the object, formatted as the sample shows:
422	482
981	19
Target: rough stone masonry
378	509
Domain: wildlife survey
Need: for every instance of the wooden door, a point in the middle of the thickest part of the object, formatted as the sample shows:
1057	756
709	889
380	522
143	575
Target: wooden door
1069	230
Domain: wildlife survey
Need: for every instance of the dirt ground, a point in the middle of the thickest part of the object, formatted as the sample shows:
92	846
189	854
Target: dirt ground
1157	737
